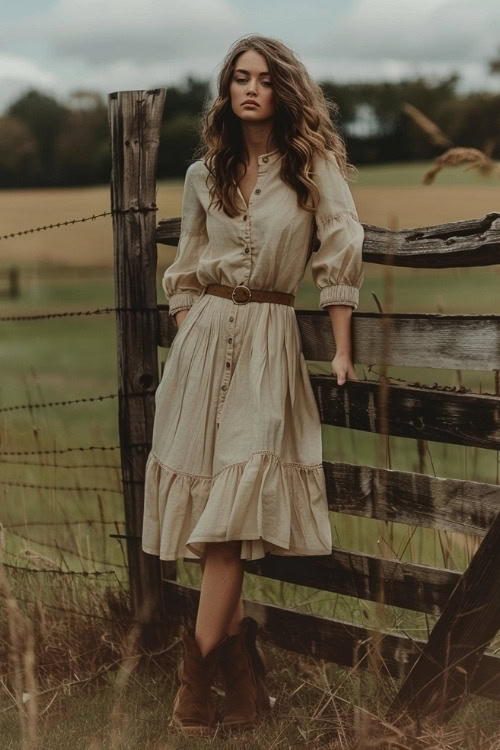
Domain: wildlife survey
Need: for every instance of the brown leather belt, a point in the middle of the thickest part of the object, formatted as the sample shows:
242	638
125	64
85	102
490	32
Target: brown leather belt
241	294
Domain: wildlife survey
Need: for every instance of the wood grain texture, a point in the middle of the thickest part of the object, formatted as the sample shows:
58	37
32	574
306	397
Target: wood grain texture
411	498
456	342
441	676
333	640
474	242
421	413
417	587
134	120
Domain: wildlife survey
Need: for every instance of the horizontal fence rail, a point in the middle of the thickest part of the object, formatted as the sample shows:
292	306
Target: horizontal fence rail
344	643
475	242
455	342
421	413
414	499
420	588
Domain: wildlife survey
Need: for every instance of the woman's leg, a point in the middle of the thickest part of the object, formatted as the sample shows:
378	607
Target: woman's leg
239	612
220	602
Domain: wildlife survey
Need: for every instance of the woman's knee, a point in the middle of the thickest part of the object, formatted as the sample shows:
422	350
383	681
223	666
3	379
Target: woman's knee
227	551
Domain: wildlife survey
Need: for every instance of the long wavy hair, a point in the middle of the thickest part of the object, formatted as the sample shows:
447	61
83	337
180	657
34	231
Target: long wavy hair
302	124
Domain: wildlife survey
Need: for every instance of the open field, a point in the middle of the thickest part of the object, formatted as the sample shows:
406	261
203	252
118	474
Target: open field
70	269
391	195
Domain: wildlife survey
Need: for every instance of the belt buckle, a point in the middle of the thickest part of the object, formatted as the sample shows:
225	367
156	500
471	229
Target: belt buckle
241	301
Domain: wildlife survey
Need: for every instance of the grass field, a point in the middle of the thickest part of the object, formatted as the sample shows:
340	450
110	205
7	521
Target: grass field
70	269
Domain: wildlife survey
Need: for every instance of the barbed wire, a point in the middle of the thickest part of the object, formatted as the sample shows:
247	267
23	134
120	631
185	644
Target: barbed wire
77	313
72	401
76	448
58	547
89	521
60	466
84	573
64	489
130	209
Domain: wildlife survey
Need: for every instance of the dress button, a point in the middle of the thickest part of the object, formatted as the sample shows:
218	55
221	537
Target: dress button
223	387
230	341
257	191
245	217
247	250
231	319
265	158
228	364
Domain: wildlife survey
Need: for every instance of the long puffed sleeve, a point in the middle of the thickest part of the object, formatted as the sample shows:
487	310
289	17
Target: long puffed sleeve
180	282
336	267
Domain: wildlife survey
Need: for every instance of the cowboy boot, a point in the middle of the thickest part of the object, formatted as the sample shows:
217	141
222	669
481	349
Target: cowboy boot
243	678
193	709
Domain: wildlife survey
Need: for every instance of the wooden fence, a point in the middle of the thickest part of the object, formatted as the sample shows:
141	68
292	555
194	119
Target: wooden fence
437	673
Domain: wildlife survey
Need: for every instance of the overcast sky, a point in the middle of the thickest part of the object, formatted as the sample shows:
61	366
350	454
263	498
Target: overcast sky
62	45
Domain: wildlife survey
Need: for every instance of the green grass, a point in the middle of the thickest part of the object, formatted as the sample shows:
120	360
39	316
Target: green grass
75	357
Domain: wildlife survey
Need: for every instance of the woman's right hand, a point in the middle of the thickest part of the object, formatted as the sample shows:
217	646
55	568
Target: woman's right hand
179	317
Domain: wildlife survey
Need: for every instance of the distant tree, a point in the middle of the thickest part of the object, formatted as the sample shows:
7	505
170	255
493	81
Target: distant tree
178	140
81	150
44	116
19	161
494	64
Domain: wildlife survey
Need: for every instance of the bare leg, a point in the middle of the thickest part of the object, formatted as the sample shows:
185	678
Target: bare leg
220	593
239	612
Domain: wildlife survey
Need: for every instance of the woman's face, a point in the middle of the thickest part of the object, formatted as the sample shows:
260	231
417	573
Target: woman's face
251	82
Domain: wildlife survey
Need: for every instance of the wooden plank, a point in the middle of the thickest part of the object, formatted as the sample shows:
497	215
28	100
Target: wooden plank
421	413
135	119
326	638
440	678
414	499
455	342
473	242
417	587
420	588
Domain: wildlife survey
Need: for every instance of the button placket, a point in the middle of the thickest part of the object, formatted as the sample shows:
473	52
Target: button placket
228	359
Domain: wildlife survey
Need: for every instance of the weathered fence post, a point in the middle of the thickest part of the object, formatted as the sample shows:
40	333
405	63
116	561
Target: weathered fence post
134	120
444	672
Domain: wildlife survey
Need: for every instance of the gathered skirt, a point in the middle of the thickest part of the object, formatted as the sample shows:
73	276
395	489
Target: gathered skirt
237	450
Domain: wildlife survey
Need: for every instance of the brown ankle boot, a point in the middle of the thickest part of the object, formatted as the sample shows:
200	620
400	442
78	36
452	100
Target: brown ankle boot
194	710
243	677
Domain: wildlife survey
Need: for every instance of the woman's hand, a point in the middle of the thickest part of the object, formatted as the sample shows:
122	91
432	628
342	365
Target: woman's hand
179	317
340	316
343	368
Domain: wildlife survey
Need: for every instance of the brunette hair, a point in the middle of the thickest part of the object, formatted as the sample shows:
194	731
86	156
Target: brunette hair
301	125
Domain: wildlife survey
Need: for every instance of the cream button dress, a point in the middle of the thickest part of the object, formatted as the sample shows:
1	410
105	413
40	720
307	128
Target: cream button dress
236	450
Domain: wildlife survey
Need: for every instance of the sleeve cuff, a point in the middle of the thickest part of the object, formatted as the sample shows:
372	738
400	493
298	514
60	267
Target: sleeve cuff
339	294
180	301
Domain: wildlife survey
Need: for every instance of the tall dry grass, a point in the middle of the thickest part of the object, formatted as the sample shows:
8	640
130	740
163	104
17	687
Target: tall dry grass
73	666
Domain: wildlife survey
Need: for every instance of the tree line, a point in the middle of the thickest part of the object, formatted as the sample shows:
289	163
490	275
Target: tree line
47	143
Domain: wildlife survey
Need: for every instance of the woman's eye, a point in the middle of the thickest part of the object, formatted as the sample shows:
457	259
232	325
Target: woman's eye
242	80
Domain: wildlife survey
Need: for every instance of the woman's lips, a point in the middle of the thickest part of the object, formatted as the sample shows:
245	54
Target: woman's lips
250	104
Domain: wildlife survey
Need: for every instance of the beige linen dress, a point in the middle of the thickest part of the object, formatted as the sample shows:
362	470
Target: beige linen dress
237	450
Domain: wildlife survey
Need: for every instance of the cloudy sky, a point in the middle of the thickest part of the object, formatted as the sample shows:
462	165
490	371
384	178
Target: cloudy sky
62	45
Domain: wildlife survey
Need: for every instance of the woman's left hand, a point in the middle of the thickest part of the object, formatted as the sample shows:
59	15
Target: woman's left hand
343	368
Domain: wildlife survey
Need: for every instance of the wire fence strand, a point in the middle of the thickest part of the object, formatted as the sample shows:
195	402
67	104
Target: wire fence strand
78	313
58	224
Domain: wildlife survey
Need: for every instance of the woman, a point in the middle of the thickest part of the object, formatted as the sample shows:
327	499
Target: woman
235	471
